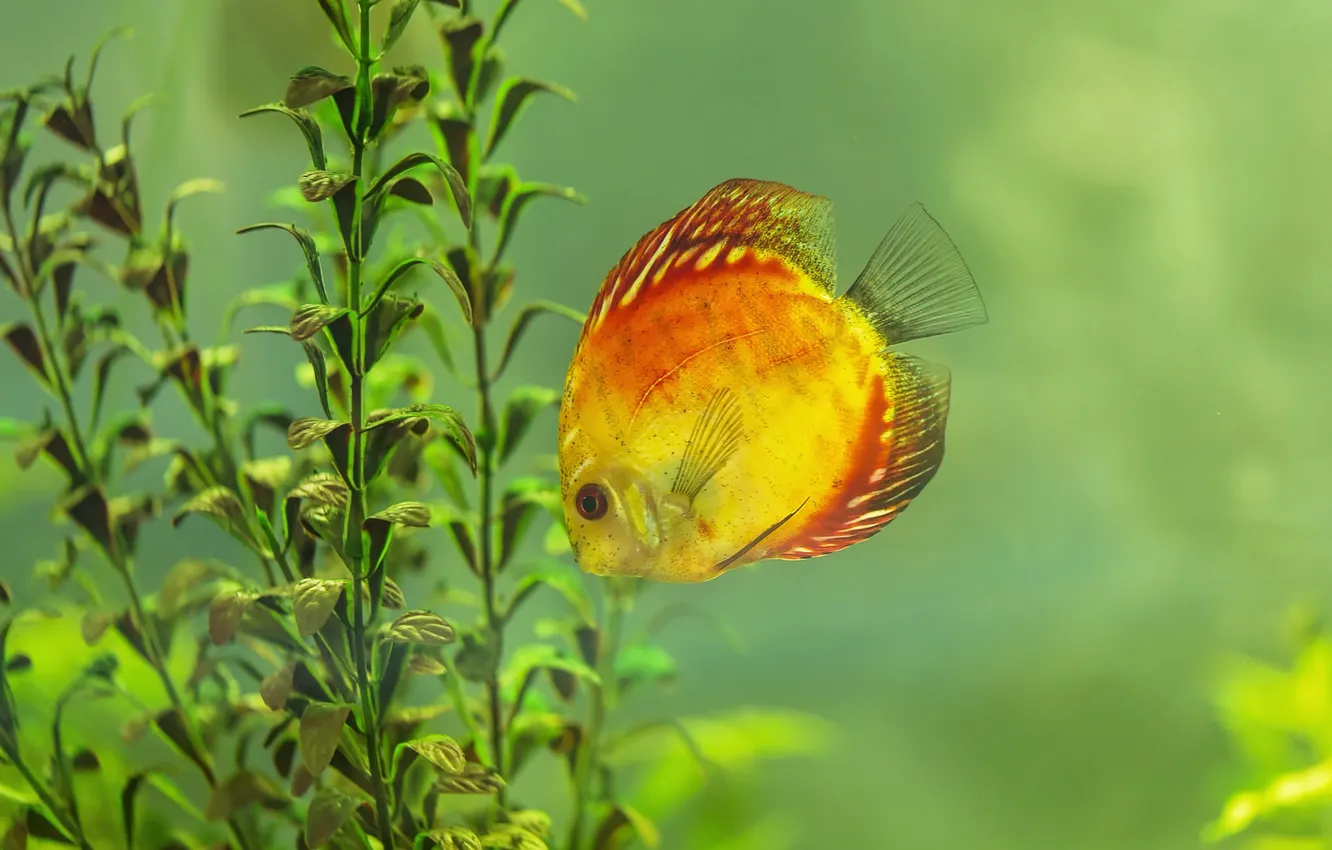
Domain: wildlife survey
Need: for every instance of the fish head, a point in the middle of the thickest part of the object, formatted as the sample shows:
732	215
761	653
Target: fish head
621	523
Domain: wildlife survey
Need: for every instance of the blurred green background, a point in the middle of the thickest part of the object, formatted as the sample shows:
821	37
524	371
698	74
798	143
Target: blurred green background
1139	446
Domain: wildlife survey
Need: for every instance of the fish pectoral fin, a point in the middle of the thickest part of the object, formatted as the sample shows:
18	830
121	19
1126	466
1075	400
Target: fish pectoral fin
763	535
715	437
916	284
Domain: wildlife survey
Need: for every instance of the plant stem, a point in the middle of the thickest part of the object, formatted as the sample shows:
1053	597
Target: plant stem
603	697
494	622
487	463
356	508
57	811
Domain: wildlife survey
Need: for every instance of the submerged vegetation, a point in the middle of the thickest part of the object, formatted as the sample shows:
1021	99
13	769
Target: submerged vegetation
307	692
1279	719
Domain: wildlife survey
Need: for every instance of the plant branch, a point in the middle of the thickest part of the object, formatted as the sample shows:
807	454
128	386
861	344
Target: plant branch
494	620
603	699
356	507
67	823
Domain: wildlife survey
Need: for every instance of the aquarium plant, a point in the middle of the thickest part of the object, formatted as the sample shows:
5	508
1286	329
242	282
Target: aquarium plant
304	689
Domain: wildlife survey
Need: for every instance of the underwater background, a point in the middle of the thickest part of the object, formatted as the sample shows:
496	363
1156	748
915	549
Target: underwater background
1138	453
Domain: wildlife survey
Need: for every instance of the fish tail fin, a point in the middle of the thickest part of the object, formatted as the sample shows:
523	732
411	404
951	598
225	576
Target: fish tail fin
916	284
901	447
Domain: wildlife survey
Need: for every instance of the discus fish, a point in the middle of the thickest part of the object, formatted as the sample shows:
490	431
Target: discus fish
724	407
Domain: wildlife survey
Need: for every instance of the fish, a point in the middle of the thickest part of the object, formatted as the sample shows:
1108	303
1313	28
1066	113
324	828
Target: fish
723	406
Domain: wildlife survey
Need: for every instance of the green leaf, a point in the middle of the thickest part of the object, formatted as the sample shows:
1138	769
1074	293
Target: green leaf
168	789
336	13
476	779
311	85
398	20
129	799
450	838
1310	786
440	750
314	137
457	187
643	662
319	735
455	429
524	318
225	614
311	319
517	200
421	627
282	294
184	576
276	687
320	368
329	811
100	376
25	344
320	185
312	602
223	506
559	578
556	540
534	821
509	101
576	7
413	190
379	527
308	247
13	430
197	186
512	837
522	407
307	431
461	35
526	660
241	790
386	322
623	816
445	273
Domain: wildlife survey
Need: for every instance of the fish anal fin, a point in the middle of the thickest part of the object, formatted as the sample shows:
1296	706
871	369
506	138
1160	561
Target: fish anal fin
900	449
916	283
734	218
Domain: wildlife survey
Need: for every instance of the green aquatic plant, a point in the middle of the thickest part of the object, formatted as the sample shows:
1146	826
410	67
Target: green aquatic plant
1279	719
310	699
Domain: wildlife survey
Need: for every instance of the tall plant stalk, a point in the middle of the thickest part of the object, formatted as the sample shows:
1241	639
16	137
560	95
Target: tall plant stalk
352	541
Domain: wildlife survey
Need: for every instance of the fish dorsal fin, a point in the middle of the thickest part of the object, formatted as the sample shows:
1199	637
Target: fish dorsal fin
916	284
738	214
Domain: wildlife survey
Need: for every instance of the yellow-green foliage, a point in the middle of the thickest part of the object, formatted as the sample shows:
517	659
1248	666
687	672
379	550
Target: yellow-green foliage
292	681
1280	719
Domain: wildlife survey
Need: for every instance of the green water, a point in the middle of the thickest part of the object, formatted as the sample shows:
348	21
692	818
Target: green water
1138	445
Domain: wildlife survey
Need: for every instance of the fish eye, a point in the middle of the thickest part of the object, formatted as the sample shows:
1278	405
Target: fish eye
591	501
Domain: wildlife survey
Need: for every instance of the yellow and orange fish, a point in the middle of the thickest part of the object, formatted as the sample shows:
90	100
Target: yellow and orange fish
724	407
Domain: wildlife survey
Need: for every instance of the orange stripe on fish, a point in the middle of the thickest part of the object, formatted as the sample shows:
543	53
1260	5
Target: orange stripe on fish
723	407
